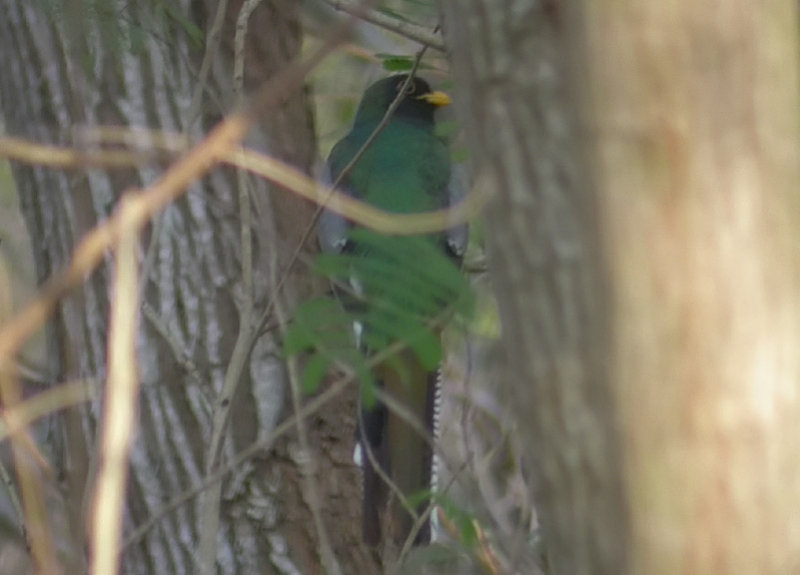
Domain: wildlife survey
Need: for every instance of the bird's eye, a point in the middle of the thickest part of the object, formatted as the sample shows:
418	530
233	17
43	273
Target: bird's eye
410	89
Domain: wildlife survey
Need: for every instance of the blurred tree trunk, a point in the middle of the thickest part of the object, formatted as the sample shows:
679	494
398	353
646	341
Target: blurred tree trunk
643	243
136	64
513	98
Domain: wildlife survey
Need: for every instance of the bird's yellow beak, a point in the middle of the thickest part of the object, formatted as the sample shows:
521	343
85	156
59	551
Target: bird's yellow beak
437	98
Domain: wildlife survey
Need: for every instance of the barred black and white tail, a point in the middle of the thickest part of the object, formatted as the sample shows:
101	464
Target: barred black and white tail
402	455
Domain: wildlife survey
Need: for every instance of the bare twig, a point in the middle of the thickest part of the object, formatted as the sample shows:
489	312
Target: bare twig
307	463
134	137
173	183
44	403
70	158
209	513
411	419
126	223
259	446
121	401
254	449
406	29
329	193
246	335
356	210
28	461
152	250
277	172
11	489
180	354
212	44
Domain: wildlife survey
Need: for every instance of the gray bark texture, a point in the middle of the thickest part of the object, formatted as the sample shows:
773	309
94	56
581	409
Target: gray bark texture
643	249
134	64
511	66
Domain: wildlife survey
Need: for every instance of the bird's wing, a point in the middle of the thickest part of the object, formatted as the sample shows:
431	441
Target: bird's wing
457	187
332	228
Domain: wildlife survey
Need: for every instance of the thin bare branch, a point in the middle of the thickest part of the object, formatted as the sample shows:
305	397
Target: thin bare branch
121	401
307	462
28	461
212	45
13	497
180	354
209	513
69	157
279	173
261	445
196	163
44	403
406	29
358	211
254	449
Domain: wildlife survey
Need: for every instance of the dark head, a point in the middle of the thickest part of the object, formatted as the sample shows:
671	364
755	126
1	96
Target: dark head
420	102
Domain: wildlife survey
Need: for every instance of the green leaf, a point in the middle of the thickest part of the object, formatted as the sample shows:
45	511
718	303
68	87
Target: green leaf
395	63
317	322
460	517
405	282
419	497
428	347
446	129
314	372
459	155
332	265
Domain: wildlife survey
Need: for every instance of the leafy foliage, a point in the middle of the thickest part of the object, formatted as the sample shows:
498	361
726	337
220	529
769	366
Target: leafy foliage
324	328
462	522
403	288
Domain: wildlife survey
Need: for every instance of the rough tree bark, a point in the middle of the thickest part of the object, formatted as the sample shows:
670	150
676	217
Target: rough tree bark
647	283
513	98
132	64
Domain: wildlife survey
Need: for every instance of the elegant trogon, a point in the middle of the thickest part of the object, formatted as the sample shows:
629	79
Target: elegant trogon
406	169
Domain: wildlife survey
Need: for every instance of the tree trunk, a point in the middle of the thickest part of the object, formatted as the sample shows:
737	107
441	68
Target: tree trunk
136	64
647	283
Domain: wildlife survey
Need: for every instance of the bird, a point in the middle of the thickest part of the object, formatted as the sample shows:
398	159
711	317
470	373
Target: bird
405	169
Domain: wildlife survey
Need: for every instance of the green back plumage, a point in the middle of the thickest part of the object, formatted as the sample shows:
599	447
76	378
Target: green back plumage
404	170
